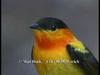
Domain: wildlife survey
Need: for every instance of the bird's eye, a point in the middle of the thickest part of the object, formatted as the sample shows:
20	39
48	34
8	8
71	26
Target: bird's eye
48	27
53	28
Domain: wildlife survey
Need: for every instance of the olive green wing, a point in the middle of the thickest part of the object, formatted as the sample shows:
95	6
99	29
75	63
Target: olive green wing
86	59
32	53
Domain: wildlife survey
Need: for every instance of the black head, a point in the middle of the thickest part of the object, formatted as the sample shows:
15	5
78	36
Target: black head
49	24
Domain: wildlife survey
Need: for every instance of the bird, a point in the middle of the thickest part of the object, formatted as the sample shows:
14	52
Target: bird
59	50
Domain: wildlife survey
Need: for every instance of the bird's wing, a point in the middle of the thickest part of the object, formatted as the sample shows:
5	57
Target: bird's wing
32	53
86	60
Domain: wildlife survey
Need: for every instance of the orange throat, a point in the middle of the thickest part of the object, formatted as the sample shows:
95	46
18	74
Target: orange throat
43	42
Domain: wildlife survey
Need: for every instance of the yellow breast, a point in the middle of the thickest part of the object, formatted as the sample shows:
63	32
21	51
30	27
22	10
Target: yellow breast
55	68
44	55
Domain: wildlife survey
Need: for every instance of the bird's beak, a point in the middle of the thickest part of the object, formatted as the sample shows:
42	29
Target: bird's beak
34	26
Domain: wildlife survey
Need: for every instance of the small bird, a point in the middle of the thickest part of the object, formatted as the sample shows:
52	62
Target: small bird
59	51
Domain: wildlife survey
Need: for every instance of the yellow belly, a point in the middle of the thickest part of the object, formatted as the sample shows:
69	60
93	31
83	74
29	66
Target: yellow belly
59	69
55	68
